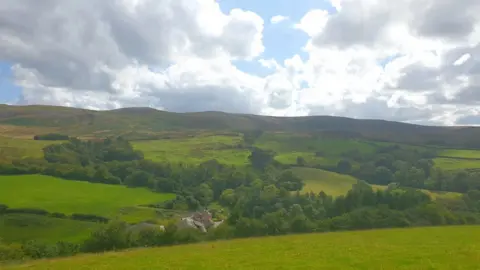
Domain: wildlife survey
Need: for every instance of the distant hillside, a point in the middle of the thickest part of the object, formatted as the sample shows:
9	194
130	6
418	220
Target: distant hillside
145	122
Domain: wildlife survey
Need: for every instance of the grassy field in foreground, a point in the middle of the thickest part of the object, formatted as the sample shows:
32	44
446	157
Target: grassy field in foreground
413	248
66	196
24	227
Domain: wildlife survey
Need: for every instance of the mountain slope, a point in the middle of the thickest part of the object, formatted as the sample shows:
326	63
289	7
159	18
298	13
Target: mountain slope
144	122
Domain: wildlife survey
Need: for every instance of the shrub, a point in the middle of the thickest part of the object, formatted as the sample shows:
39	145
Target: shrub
57	215
113	236
89	217
3	208
33	211
11	253
37	250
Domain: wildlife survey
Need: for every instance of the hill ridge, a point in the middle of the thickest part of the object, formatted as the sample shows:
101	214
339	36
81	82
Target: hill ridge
145	120
150	109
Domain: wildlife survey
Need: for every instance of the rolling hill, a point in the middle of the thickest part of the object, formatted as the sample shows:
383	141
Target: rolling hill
419	248
148	123
68	197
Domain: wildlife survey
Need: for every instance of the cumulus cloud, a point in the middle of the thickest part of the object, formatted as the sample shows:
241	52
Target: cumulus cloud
83	53
278	19
374	54
416	61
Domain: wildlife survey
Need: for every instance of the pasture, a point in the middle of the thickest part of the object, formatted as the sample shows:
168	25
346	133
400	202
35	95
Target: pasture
66	196
290	158
331	183
412	248
287	142
452	164
25	227
14	148
336	184
458	153
228	150
195	150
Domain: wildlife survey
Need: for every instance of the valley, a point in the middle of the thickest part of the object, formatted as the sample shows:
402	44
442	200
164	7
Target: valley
73	181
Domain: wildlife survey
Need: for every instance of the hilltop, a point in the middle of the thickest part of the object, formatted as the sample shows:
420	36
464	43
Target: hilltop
143	123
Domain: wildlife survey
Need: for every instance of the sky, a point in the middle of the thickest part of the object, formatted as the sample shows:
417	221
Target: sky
415	61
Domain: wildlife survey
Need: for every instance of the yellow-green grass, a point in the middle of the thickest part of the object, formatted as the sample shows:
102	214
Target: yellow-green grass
14	148
378	187
195	149
23	132
290	158
336	184
286	142
432	193
67	196
331	183
393	249
442	194
456	164
25	227
457	153
137	214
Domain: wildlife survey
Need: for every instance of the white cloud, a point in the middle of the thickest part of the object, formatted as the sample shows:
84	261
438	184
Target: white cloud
101	54
313	22
401	60
278	19
269	63
346	75
462	59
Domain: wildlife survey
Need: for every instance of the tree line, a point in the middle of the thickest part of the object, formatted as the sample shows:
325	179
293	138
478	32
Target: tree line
406	167
267	210
5	209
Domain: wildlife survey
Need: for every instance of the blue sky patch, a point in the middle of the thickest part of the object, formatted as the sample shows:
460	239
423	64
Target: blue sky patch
8	91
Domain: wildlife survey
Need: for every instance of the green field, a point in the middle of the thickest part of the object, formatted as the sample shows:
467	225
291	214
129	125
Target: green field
331	183
314	149
456	153
24	227
195	149
414	248
452	164
288	147
290	158
336	184
11	148
442	194
285	142
225	149
66	196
